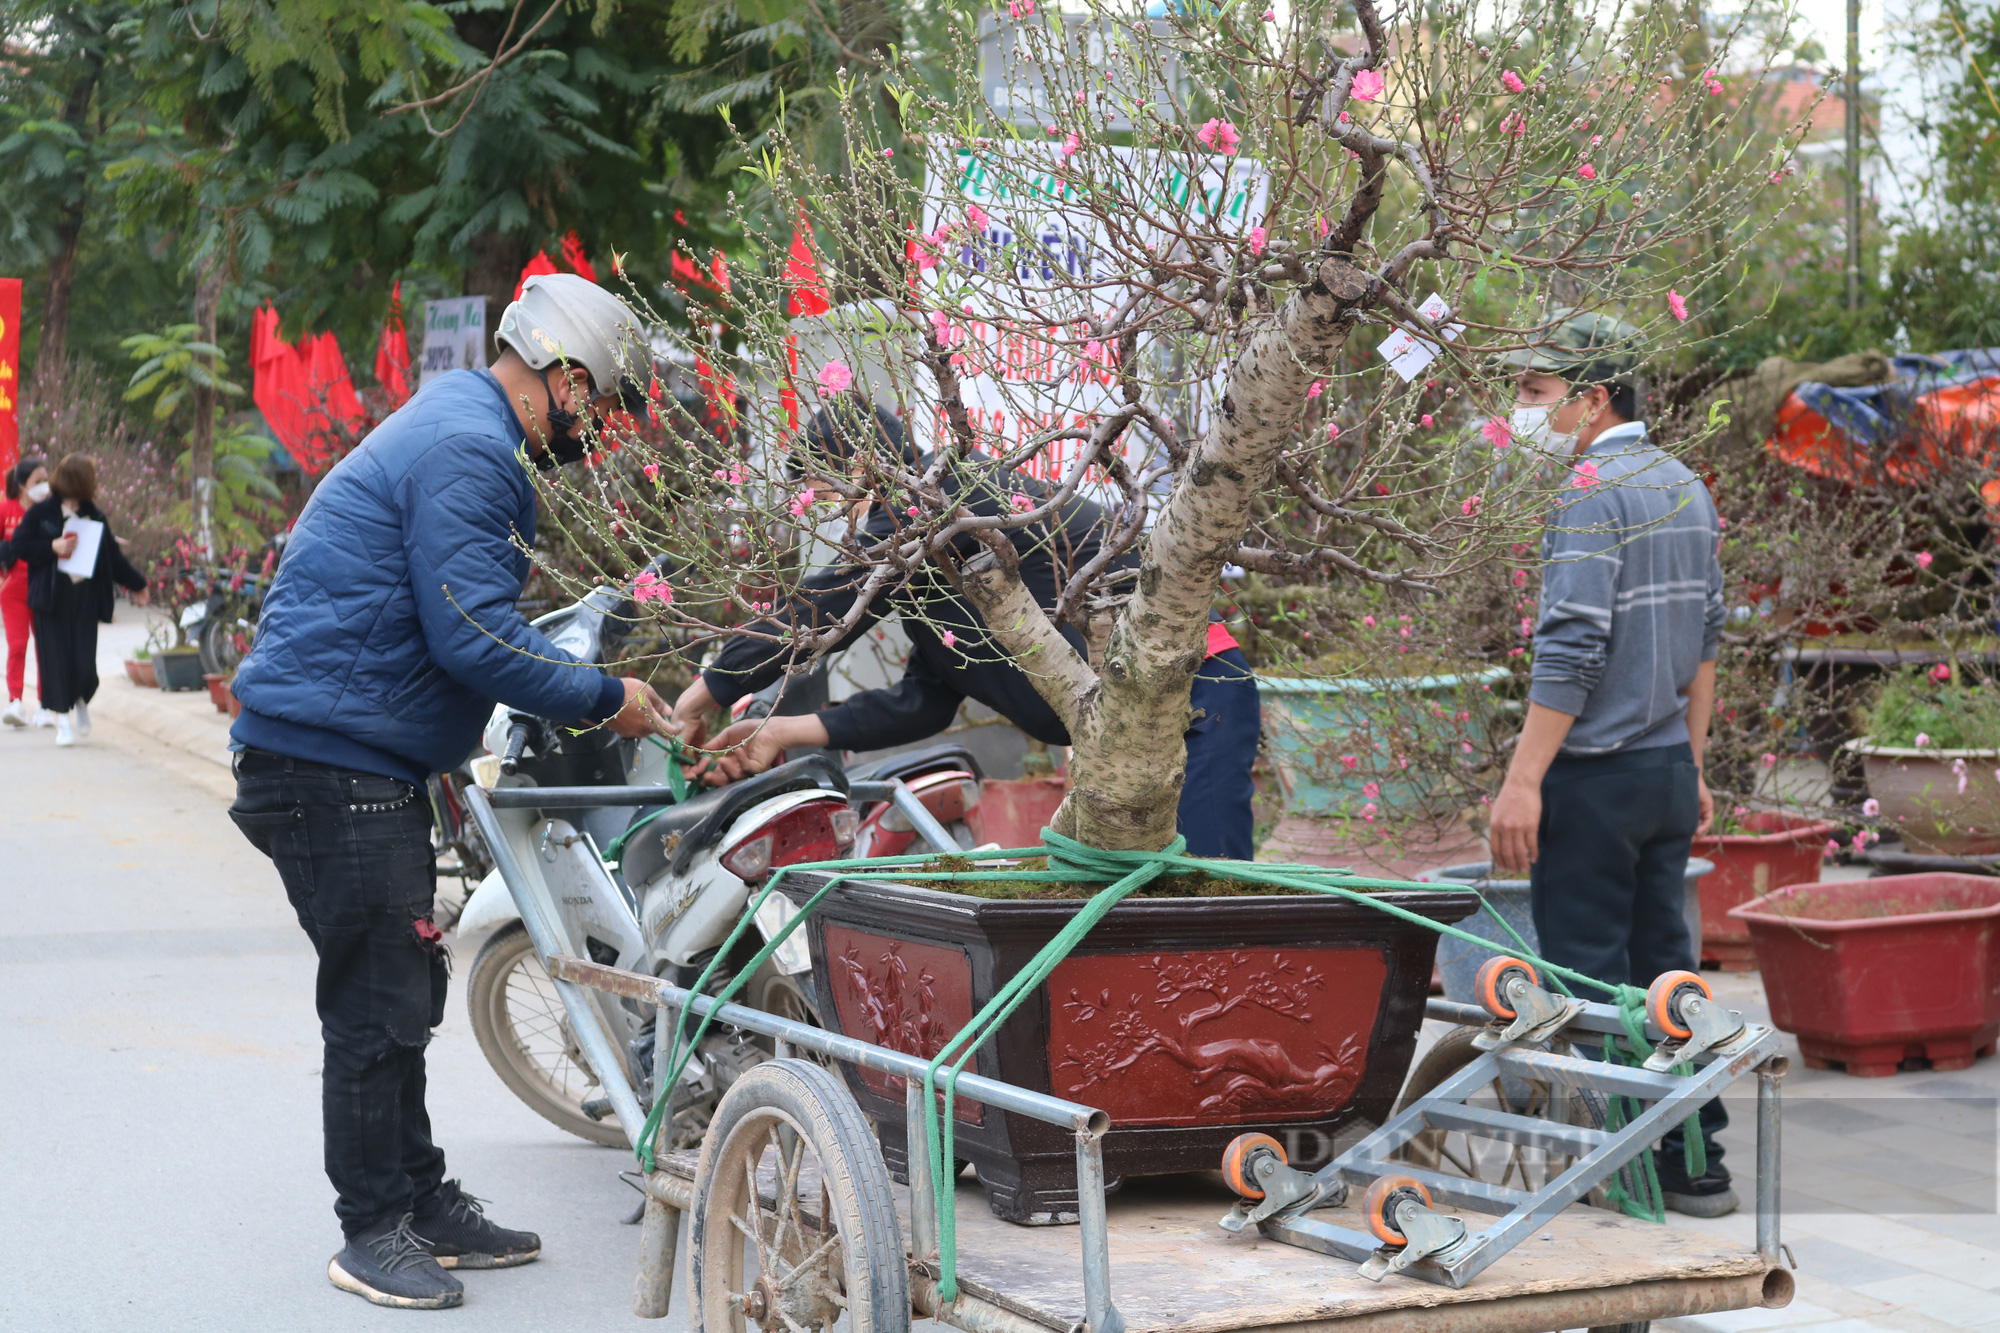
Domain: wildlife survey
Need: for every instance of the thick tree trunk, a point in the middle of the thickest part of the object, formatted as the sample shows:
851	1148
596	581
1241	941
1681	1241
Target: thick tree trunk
201	442
497	261
53	349
1126	722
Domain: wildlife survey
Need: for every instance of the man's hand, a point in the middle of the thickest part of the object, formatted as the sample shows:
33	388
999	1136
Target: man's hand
1515	832
691	712
65	546
755	744
1707	804
644	712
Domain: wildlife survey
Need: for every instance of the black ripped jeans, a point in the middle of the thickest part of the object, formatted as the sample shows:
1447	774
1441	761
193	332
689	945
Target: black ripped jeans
354	851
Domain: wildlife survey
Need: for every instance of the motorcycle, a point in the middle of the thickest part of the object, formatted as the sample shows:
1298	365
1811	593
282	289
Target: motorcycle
651	883
223	620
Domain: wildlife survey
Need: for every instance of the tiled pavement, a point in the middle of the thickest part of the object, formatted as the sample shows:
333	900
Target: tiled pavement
1888	1196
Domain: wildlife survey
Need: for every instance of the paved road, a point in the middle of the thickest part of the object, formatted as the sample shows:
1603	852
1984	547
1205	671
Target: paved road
159	1114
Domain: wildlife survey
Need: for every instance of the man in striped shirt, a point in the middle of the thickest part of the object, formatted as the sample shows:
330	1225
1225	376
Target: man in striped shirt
1605	793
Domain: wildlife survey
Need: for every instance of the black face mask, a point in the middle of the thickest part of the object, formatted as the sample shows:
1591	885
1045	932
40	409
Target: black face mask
563	444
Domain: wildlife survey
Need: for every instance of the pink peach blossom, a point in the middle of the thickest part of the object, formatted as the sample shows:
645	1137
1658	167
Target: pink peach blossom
1871	808
1769	760
1511	81
1219	135
1350	762
834	377
1257	235
1940	673
1497	433
950	639
1677	305
652	471
1333	430
650	587
1425	419
1367	85
977	217
1587	171
1369	621
1471	507
1586	475
1924	559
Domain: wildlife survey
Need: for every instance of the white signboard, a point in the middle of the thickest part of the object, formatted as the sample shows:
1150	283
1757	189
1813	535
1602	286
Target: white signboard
1018	382
454	336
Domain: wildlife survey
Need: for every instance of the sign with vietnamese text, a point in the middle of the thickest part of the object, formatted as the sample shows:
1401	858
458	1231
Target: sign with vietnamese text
454	336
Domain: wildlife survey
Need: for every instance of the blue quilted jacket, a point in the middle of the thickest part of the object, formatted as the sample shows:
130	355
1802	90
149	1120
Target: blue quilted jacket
391	630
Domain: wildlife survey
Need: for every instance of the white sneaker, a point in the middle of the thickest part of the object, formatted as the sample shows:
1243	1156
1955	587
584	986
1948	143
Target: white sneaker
16	714
64	736
82	715
42	718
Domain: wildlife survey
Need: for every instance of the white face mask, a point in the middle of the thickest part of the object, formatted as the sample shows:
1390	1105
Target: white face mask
39	492
1535	428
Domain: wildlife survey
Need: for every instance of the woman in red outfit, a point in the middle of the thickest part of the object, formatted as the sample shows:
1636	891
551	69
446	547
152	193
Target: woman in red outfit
27	482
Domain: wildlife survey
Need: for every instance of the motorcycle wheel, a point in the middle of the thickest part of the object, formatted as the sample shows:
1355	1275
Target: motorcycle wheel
217	645
524	1032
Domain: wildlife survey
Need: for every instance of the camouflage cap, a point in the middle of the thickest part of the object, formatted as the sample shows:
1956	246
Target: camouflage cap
1586	348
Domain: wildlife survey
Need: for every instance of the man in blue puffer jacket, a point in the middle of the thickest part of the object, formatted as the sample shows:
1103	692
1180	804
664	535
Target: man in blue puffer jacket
387	637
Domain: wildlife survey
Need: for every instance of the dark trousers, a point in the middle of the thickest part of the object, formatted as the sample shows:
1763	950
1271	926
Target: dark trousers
66	647
1608	886
354	852
1214	813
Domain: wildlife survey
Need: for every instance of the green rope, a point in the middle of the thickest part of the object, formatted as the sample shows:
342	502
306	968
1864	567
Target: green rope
1121	873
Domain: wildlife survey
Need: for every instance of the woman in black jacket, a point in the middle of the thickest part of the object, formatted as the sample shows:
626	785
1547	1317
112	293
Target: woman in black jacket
68	607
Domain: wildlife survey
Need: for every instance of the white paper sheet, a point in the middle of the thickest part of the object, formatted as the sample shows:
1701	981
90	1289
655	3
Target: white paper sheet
1408	354
82	562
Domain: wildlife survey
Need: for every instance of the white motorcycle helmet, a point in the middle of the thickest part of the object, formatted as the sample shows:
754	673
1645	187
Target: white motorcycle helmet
562	317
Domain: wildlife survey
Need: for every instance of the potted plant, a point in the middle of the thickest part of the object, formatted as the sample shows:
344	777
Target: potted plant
1189	1019
1872	972
218	689
1930	754
1754	852
139	668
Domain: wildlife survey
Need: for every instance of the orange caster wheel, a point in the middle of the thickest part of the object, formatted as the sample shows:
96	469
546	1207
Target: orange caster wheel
1664	995
1237	1157
1486	987
1382	1196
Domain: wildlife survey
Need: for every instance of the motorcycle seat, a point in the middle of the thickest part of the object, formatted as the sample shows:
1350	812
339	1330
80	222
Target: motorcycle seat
916	761
668	837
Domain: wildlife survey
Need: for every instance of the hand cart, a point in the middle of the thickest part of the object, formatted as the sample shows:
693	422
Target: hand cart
795	1223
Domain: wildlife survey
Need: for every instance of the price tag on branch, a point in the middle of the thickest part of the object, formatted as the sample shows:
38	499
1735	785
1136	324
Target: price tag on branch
1406	353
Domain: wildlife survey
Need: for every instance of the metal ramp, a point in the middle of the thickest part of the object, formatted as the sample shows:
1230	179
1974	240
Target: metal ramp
1410	1235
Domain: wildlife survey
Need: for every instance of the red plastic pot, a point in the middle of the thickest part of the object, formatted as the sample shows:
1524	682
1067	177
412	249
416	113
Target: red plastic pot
1012	812
1871	972
139	671
218	690
1780	850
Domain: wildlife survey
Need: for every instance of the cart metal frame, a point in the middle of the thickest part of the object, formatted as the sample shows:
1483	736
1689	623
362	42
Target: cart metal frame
669	1194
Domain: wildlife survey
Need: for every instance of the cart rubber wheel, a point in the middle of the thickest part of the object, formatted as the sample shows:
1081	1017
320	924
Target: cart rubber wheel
1494	971
1663	998
1382	1196
1236	1162
794	1218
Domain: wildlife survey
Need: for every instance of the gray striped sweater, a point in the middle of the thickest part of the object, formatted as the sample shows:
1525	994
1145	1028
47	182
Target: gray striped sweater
1631	597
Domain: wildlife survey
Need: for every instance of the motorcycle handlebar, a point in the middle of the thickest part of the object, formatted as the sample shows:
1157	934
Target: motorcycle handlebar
517	741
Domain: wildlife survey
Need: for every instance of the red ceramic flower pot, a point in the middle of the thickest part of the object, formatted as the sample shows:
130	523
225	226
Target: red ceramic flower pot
1779	850
1012	812
1187	1020
1871	972
218	690
140	672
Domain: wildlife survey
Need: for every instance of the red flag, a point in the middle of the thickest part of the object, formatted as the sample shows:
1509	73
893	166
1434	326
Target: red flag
572	251
541	263
10	372
304	392
809	295
392	353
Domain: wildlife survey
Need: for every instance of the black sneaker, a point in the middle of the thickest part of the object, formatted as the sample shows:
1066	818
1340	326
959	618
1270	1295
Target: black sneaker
388	1265
1708	1195
458	1235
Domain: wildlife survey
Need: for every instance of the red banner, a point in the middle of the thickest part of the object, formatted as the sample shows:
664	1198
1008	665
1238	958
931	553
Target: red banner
10	372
